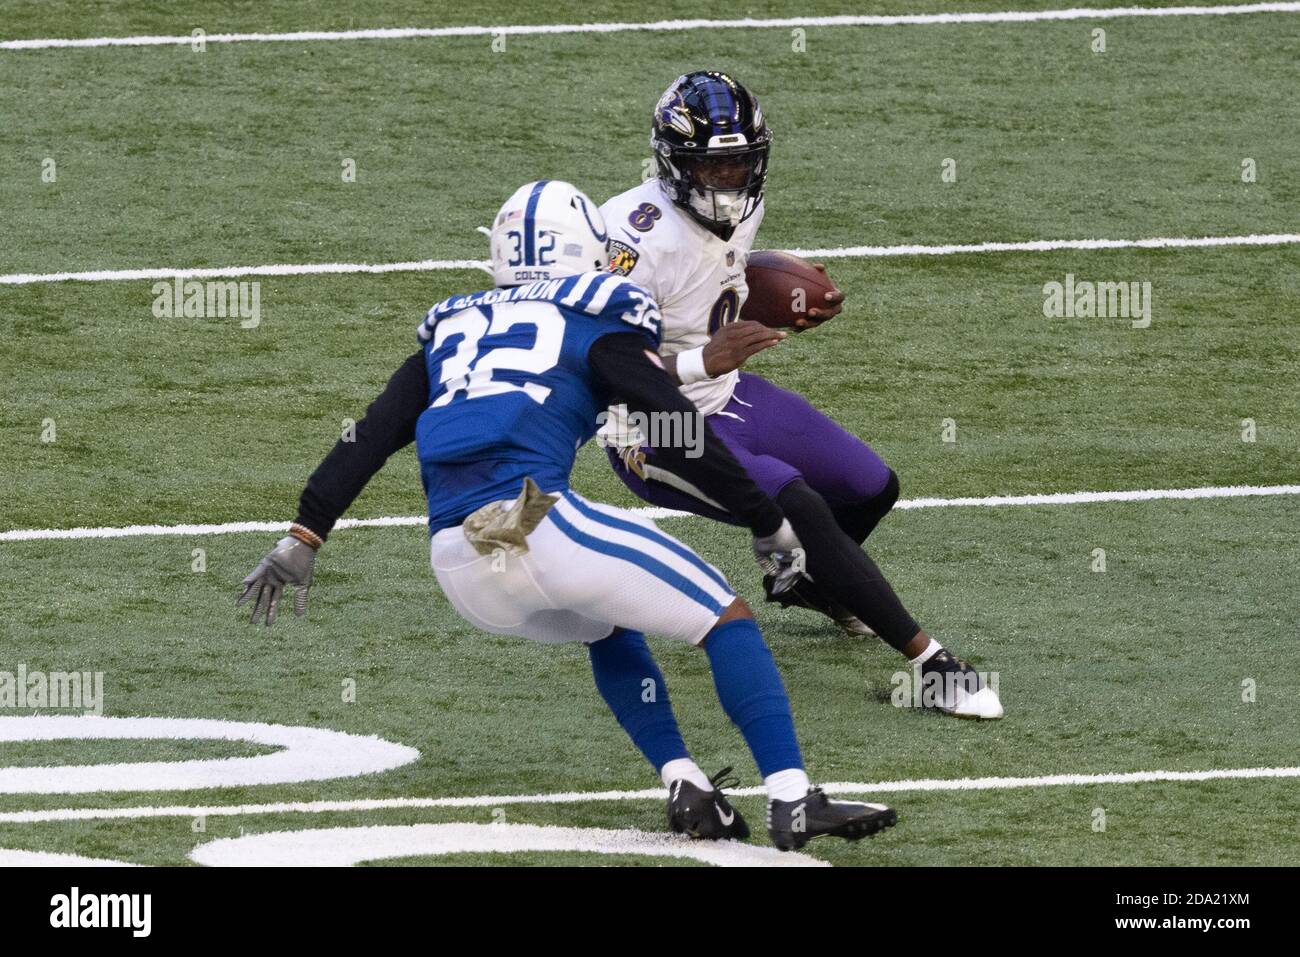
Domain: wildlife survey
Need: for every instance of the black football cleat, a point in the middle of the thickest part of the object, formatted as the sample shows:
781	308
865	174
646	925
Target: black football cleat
950	685
805	593
705	815
792	824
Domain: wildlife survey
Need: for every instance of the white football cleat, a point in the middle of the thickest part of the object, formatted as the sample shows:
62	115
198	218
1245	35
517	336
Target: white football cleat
983	705
950	685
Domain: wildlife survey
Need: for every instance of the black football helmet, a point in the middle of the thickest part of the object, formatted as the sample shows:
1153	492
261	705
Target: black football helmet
711	146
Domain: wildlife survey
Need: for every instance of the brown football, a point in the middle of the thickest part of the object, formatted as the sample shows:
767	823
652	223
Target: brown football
782	288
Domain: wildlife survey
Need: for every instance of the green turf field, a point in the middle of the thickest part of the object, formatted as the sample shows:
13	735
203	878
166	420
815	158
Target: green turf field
1182	656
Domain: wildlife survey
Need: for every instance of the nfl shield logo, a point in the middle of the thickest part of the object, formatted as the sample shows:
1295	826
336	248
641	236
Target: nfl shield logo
731	257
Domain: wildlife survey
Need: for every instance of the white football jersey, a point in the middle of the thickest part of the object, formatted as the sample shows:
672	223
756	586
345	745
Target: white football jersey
697	279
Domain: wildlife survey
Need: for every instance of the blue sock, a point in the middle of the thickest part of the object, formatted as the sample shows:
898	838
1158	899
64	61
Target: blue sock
633	687
750	690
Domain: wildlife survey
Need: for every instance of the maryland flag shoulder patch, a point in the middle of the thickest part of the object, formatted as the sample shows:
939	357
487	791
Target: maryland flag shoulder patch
623	258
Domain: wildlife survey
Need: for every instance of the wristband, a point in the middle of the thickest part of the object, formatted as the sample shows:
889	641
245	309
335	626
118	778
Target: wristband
690	366
306	535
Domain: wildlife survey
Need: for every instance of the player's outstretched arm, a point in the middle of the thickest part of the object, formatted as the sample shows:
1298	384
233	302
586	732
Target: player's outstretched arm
633	377
388	425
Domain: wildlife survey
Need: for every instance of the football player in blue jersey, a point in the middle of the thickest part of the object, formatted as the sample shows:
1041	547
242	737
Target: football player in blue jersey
507	386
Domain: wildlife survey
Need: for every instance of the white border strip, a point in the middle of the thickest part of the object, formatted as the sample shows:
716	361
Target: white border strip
1053	498
412	33
651	794
834	252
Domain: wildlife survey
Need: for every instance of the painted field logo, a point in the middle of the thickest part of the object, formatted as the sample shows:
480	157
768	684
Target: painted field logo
1098	300
133	911
937	689
191	299
52	690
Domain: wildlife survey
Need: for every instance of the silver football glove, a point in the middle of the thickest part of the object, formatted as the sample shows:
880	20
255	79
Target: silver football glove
289	563
781	556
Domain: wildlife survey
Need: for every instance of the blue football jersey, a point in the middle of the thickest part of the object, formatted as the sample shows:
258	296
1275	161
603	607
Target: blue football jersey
510	391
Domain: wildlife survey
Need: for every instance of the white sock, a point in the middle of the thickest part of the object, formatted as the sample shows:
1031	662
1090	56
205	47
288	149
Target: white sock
932	649
788	785
684	769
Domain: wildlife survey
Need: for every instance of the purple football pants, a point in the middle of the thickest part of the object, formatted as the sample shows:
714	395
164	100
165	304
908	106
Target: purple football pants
777	437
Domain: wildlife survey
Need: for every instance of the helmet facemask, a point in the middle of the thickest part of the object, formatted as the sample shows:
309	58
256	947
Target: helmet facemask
711	146
719	185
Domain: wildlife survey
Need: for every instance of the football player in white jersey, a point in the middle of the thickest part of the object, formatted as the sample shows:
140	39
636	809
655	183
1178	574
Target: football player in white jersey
685	235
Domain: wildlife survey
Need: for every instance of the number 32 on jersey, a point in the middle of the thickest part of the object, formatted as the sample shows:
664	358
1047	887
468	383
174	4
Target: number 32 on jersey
468	372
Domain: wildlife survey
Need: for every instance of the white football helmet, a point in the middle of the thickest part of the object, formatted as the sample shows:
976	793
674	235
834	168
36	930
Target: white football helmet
546	230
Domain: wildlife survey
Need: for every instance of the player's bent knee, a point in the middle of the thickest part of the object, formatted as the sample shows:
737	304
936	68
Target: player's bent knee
799	501
886	497
739	608
869	508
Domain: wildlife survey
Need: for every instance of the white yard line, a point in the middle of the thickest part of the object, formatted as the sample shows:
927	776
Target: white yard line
230	272
1052	498
650	794
1052	245
661	26
834	252
227	528
1086	498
